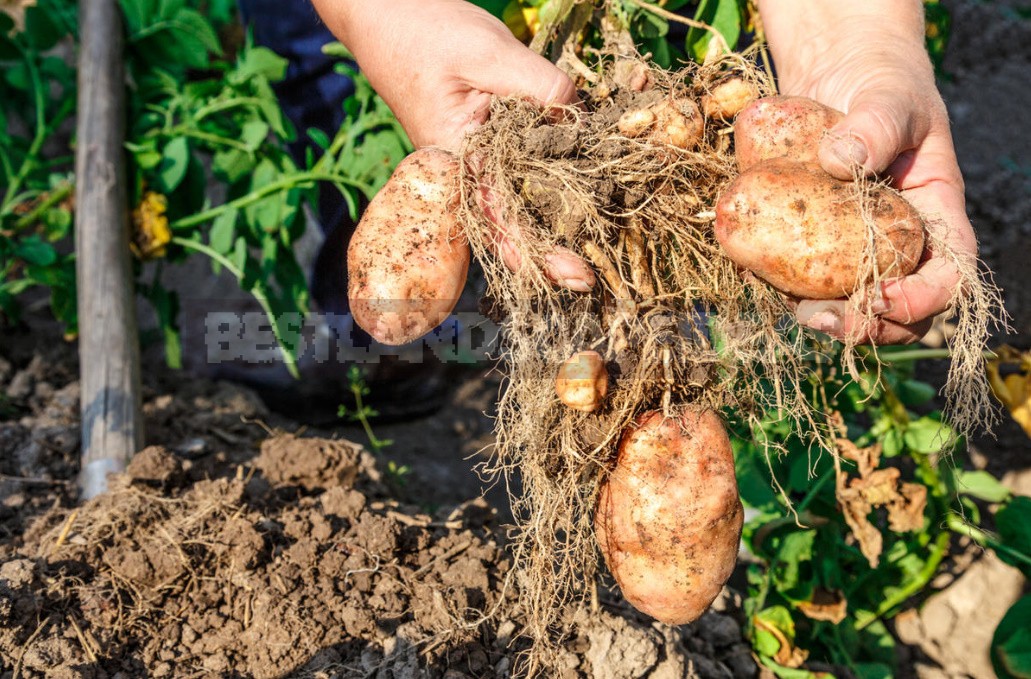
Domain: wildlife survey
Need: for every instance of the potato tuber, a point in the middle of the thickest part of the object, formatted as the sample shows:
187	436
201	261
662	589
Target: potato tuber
408	259
668	518
583	381
804	232
782	127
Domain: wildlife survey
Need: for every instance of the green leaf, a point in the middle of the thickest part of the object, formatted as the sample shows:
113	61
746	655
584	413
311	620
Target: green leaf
58	221
18	76
1013	522
254	134
927	436
135	12
273	211
724	16
171	170
166	304
982	485
1011	643
779	617
34	251
891	445
233	164
1015	654
259	61
915	392
320	138
336	49
753	476
239	255
223	230
41	30
9	51
795	547
192	23
872	671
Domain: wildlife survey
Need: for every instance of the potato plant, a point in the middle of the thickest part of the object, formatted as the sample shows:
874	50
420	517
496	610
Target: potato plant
201	113
823	587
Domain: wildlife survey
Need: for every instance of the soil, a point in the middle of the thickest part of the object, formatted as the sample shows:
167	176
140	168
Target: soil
241	543
238	549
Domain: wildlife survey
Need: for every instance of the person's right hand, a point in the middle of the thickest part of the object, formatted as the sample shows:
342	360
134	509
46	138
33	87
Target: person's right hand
437	63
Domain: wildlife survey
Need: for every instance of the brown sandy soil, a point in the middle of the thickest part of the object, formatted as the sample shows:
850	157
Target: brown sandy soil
235	550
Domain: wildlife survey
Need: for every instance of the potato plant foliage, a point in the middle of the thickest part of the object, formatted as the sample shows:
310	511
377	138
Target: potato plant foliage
201	114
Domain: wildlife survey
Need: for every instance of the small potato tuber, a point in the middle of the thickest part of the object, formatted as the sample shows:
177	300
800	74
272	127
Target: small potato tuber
807	234
782	127
408	259
673	122
729	98
583	381
668	518
679	123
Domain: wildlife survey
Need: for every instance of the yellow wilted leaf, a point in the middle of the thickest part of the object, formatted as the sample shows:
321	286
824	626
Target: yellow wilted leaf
150	227
1014	388
519	20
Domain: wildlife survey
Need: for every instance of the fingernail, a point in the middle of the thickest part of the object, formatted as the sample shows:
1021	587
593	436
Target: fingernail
825	321
850	151
818	316
575	284
880	305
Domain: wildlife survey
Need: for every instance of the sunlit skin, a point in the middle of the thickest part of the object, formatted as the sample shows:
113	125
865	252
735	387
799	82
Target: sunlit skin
438	62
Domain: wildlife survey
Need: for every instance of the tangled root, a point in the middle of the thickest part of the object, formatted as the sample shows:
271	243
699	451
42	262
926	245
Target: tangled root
674	319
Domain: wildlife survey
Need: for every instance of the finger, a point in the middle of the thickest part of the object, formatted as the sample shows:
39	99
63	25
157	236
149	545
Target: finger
514	70
562	266
880	125
930	289
837	319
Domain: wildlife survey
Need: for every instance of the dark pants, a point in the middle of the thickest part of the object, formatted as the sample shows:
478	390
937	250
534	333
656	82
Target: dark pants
311	96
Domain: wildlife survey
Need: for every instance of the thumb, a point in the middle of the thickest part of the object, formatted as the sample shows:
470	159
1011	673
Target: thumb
524	73
880	125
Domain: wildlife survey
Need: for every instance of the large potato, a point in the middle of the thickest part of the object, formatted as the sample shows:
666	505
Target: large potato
781	127
408	259
669	518
803	231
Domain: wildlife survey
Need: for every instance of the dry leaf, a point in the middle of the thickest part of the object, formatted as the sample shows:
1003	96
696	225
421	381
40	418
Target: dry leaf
825	605
874	488
1013	389
788	654
16	10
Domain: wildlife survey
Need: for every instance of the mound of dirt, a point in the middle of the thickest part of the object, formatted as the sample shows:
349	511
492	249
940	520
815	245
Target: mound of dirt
231	551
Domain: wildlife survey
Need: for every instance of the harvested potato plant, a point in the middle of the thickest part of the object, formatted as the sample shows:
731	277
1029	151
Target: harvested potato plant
596	226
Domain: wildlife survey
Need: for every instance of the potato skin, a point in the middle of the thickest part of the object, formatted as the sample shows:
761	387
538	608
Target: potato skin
802	231
668	518
583	381
729	98
781	126
408	259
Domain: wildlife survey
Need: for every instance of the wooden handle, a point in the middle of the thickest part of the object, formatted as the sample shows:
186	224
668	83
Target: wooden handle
112	428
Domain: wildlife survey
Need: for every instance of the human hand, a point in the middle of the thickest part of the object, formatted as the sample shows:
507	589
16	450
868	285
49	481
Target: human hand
437	63
869	61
